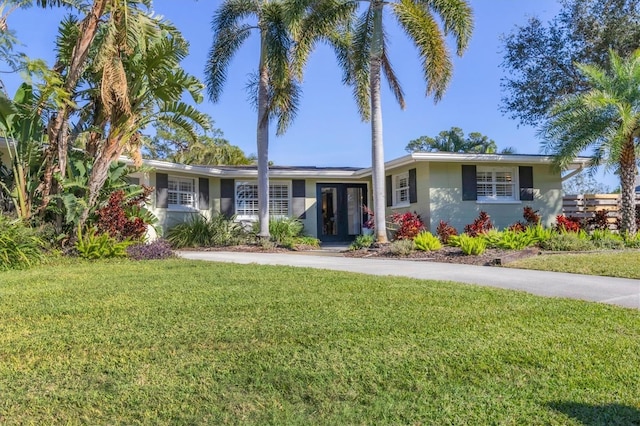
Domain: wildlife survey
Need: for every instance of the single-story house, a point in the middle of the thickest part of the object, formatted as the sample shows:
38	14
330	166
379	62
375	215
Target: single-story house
453	187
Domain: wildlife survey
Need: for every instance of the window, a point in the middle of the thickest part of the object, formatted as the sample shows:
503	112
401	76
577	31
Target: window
181	193
247	199
401	189
496	184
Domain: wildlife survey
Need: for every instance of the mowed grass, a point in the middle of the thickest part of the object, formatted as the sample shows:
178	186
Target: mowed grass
622	264
182	342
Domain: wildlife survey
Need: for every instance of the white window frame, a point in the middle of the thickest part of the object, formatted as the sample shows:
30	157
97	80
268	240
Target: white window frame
193	205
495	184
401	192
241	213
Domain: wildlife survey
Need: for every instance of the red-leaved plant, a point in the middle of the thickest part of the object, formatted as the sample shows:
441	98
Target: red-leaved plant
408	225
480	225
567	223
445	231
530	215
114	220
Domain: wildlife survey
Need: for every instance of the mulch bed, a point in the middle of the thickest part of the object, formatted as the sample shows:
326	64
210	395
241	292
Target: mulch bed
491	257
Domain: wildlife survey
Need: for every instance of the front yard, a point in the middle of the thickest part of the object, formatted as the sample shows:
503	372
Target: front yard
180	342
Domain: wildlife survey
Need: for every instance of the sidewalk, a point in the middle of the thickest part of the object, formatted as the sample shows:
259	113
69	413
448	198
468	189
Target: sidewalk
615	291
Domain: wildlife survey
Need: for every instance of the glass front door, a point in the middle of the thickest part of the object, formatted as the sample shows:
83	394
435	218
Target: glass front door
340	211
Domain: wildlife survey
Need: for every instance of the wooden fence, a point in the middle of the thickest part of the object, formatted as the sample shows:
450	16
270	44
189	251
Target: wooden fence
584	206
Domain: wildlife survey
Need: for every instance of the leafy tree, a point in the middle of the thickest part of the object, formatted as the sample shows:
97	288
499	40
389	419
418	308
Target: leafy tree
605	118
539	58
453	140
288	31
175	145
584	183
426	24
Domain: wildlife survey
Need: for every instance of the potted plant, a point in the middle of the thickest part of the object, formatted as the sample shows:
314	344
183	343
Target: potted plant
368	225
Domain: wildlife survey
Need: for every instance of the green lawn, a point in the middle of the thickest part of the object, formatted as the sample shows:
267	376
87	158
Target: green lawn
180	342
623	264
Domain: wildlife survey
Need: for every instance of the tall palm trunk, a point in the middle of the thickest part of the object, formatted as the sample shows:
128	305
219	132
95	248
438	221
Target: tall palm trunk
377	146
58	137
627	188
263	143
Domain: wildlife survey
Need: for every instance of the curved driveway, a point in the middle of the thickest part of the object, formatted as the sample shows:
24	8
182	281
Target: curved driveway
615	291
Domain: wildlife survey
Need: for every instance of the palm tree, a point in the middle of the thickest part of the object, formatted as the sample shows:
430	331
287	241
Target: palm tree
138	82
277	89
369	57
288	31
607	119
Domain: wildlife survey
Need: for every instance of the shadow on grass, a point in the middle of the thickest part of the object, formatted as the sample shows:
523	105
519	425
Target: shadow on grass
597	415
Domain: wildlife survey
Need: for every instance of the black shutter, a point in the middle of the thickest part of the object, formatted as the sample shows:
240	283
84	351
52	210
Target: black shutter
469	183
298	198
413	187
526	183
227	197
203	193
389	190
162	190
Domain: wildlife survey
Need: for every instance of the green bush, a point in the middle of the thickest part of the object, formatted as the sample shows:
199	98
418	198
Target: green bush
283	229
469	245
605	239
362	241
100	246
509	240
20	247
202	232
298	242
426	241
539	233
401	247
632	241
568	241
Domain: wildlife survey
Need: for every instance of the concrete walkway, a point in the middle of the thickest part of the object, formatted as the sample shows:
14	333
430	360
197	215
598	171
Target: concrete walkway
615	291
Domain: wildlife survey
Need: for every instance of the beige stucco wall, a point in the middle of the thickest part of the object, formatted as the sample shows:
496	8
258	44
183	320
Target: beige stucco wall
447	204
168	217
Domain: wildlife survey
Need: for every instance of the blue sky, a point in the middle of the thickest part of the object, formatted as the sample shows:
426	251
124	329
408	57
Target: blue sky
328	130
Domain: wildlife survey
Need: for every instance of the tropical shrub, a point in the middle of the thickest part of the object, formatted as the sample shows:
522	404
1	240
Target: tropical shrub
469	245
202	232
480	225
518	227
20	247
283	229
632	241
539	233
445	231
362	241
530	215
568	241
567	224
426	241
303	242
114	220
158	249
406	225
402	247
599	221
605	239
510	240
94	245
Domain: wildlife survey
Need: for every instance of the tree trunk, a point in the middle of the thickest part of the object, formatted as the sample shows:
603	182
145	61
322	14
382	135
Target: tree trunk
263	144
377	146
627	189
58	137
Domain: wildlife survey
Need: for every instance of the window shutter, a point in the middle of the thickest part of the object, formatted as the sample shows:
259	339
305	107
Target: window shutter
298	198
389	190
162	190
227	197
203	193
525	177
413	188
469	183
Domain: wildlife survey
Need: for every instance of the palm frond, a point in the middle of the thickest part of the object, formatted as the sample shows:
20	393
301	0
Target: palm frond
390	75
226	43
360	63
422	28
457	19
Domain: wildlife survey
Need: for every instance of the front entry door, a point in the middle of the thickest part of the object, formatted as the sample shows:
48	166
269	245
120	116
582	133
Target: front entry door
340	211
